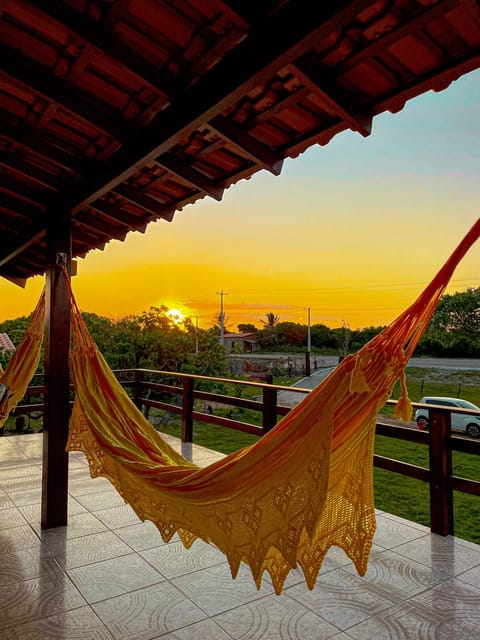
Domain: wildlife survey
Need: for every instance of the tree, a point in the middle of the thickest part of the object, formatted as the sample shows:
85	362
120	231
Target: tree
360	337
16	329
247	328
292	333
344	339
268	336
322	337
211	359
101	329
454	329
459	312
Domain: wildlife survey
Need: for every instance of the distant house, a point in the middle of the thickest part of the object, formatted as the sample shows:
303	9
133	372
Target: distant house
5	343
246	341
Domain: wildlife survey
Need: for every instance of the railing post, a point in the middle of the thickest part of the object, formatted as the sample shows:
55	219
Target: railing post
269	419
441	494
187	410
137	389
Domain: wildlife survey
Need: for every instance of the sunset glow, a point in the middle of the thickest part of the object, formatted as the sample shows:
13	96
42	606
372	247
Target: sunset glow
353	230
175	316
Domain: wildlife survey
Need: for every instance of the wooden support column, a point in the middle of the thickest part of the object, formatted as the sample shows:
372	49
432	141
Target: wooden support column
57	374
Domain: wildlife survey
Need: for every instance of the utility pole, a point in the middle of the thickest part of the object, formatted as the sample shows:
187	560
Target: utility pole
309	347
221	317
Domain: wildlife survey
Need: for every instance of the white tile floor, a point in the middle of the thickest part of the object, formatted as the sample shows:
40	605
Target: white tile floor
109	576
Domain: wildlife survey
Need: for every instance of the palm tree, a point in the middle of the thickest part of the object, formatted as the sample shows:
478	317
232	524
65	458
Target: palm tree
271	320
270	330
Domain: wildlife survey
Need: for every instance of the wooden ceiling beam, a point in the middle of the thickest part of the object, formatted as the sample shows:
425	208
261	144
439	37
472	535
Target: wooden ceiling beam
436	81
471	6
251	12
41	82
16	162
115	213
188	173
35	139
98	225
85	240
27	262
23	241
18	207
280	105
405	29
20	282
335	101
251	147
203	64
23	265
24	193
96	35
154	208
119	12
321	136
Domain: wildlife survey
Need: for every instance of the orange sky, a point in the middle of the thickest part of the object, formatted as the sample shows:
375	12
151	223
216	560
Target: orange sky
353	230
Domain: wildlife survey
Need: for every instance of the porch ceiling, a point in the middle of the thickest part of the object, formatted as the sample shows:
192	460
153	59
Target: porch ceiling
122	112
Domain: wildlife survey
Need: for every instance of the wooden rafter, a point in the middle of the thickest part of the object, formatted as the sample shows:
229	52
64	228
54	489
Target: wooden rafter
21	209
188	173
441	77
154	208
333	98
116	213
100	226
97	36
17	162
22	242
54	90
253	148
36	139
396	34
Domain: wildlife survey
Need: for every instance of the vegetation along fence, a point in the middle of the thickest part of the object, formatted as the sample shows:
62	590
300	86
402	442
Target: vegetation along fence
183	404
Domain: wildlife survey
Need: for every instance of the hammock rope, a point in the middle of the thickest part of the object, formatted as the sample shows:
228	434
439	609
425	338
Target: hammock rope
282	502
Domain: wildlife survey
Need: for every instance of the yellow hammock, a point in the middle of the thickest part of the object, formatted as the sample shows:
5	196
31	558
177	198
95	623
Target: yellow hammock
23	364
282	502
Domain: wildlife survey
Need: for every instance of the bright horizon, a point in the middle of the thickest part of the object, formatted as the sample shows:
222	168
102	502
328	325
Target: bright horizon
353	230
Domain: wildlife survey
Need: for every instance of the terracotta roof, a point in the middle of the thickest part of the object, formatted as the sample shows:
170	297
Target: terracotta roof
5	343
120	113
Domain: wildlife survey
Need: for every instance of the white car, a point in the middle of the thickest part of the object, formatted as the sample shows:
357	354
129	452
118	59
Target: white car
460	421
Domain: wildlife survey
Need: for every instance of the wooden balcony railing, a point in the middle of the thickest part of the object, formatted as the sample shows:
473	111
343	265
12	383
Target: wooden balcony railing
155	389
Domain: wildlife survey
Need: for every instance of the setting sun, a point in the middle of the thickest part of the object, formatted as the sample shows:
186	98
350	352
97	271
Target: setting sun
175	316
